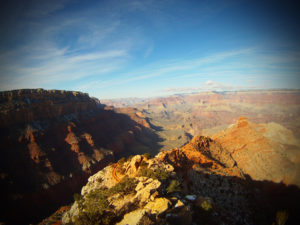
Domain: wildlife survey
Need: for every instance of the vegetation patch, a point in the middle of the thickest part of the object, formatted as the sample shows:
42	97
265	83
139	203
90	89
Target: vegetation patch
125	187
158	173
94	208
174	187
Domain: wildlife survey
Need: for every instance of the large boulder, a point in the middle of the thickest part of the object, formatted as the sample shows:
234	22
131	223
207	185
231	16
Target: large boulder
133	218
158	206
146	187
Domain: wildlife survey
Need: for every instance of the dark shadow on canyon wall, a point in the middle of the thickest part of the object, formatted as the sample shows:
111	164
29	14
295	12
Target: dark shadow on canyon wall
247	199
23	201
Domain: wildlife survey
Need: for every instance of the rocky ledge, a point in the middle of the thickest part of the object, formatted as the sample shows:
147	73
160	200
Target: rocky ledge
28	105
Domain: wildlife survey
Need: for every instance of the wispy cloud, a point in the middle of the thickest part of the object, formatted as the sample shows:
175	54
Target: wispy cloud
63	50
209	85
58	66
178	65
114	45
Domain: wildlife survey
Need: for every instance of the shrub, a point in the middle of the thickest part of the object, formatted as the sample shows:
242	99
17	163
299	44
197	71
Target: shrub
159	173
126	186
92	208
174	187
206	205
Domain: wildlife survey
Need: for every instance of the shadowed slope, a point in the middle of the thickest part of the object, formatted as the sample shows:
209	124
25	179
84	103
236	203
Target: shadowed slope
51	141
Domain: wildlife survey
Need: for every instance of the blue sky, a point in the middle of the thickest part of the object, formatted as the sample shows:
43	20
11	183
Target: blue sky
132	48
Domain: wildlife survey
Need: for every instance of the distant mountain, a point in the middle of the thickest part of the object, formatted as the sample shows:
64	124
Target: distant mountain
178	118
124	102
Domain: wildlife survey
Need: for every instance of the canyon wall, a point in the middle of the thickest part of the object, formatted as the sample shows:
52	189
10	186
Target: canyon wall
52	140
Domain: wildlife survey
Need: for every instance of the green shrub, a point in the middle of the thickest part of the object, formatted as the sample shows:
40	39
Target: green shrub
174	187
206	205
92	208
126	186
159	173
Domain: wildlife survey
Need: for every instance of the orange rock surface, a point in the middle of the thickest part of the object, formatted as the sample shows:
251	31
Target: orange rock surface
260	152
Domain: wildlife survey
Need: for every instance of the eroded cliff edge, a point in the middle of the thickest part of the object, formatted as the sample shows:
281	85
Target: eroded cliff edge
52	140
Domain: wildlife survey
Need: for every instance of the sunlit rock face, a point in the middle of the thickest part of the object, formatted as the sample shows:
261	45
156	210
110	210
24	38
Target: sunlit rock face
264	151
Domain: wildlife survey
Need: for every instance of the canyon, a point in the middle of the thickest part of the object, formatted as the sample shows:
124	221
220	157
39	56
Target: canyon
53	141
198	183
177	118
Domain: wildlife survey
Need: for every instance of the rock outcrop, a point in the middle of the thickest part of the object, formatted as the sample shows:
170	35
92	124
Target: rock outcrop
264	151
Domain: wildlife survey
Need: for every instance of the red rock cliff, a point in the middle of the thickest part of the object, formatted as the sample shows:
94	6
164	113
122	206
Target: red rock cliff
51	138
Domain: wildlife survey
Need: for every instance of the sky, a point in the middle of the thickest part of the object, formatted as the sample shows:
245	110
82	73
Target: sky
147	48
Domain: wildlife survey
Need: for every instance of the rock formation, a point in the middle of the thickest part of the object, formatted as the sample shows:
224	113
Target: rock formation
52	138
178	118
180	186
264	151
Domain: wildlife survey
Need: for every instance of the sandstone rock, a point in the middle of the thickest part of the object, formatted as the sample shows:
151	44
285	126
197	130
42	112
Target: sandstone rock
122	203
263	151
134	164
213	150
132	218
154	195
179	204
101	179
70	215
144	190
158	206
